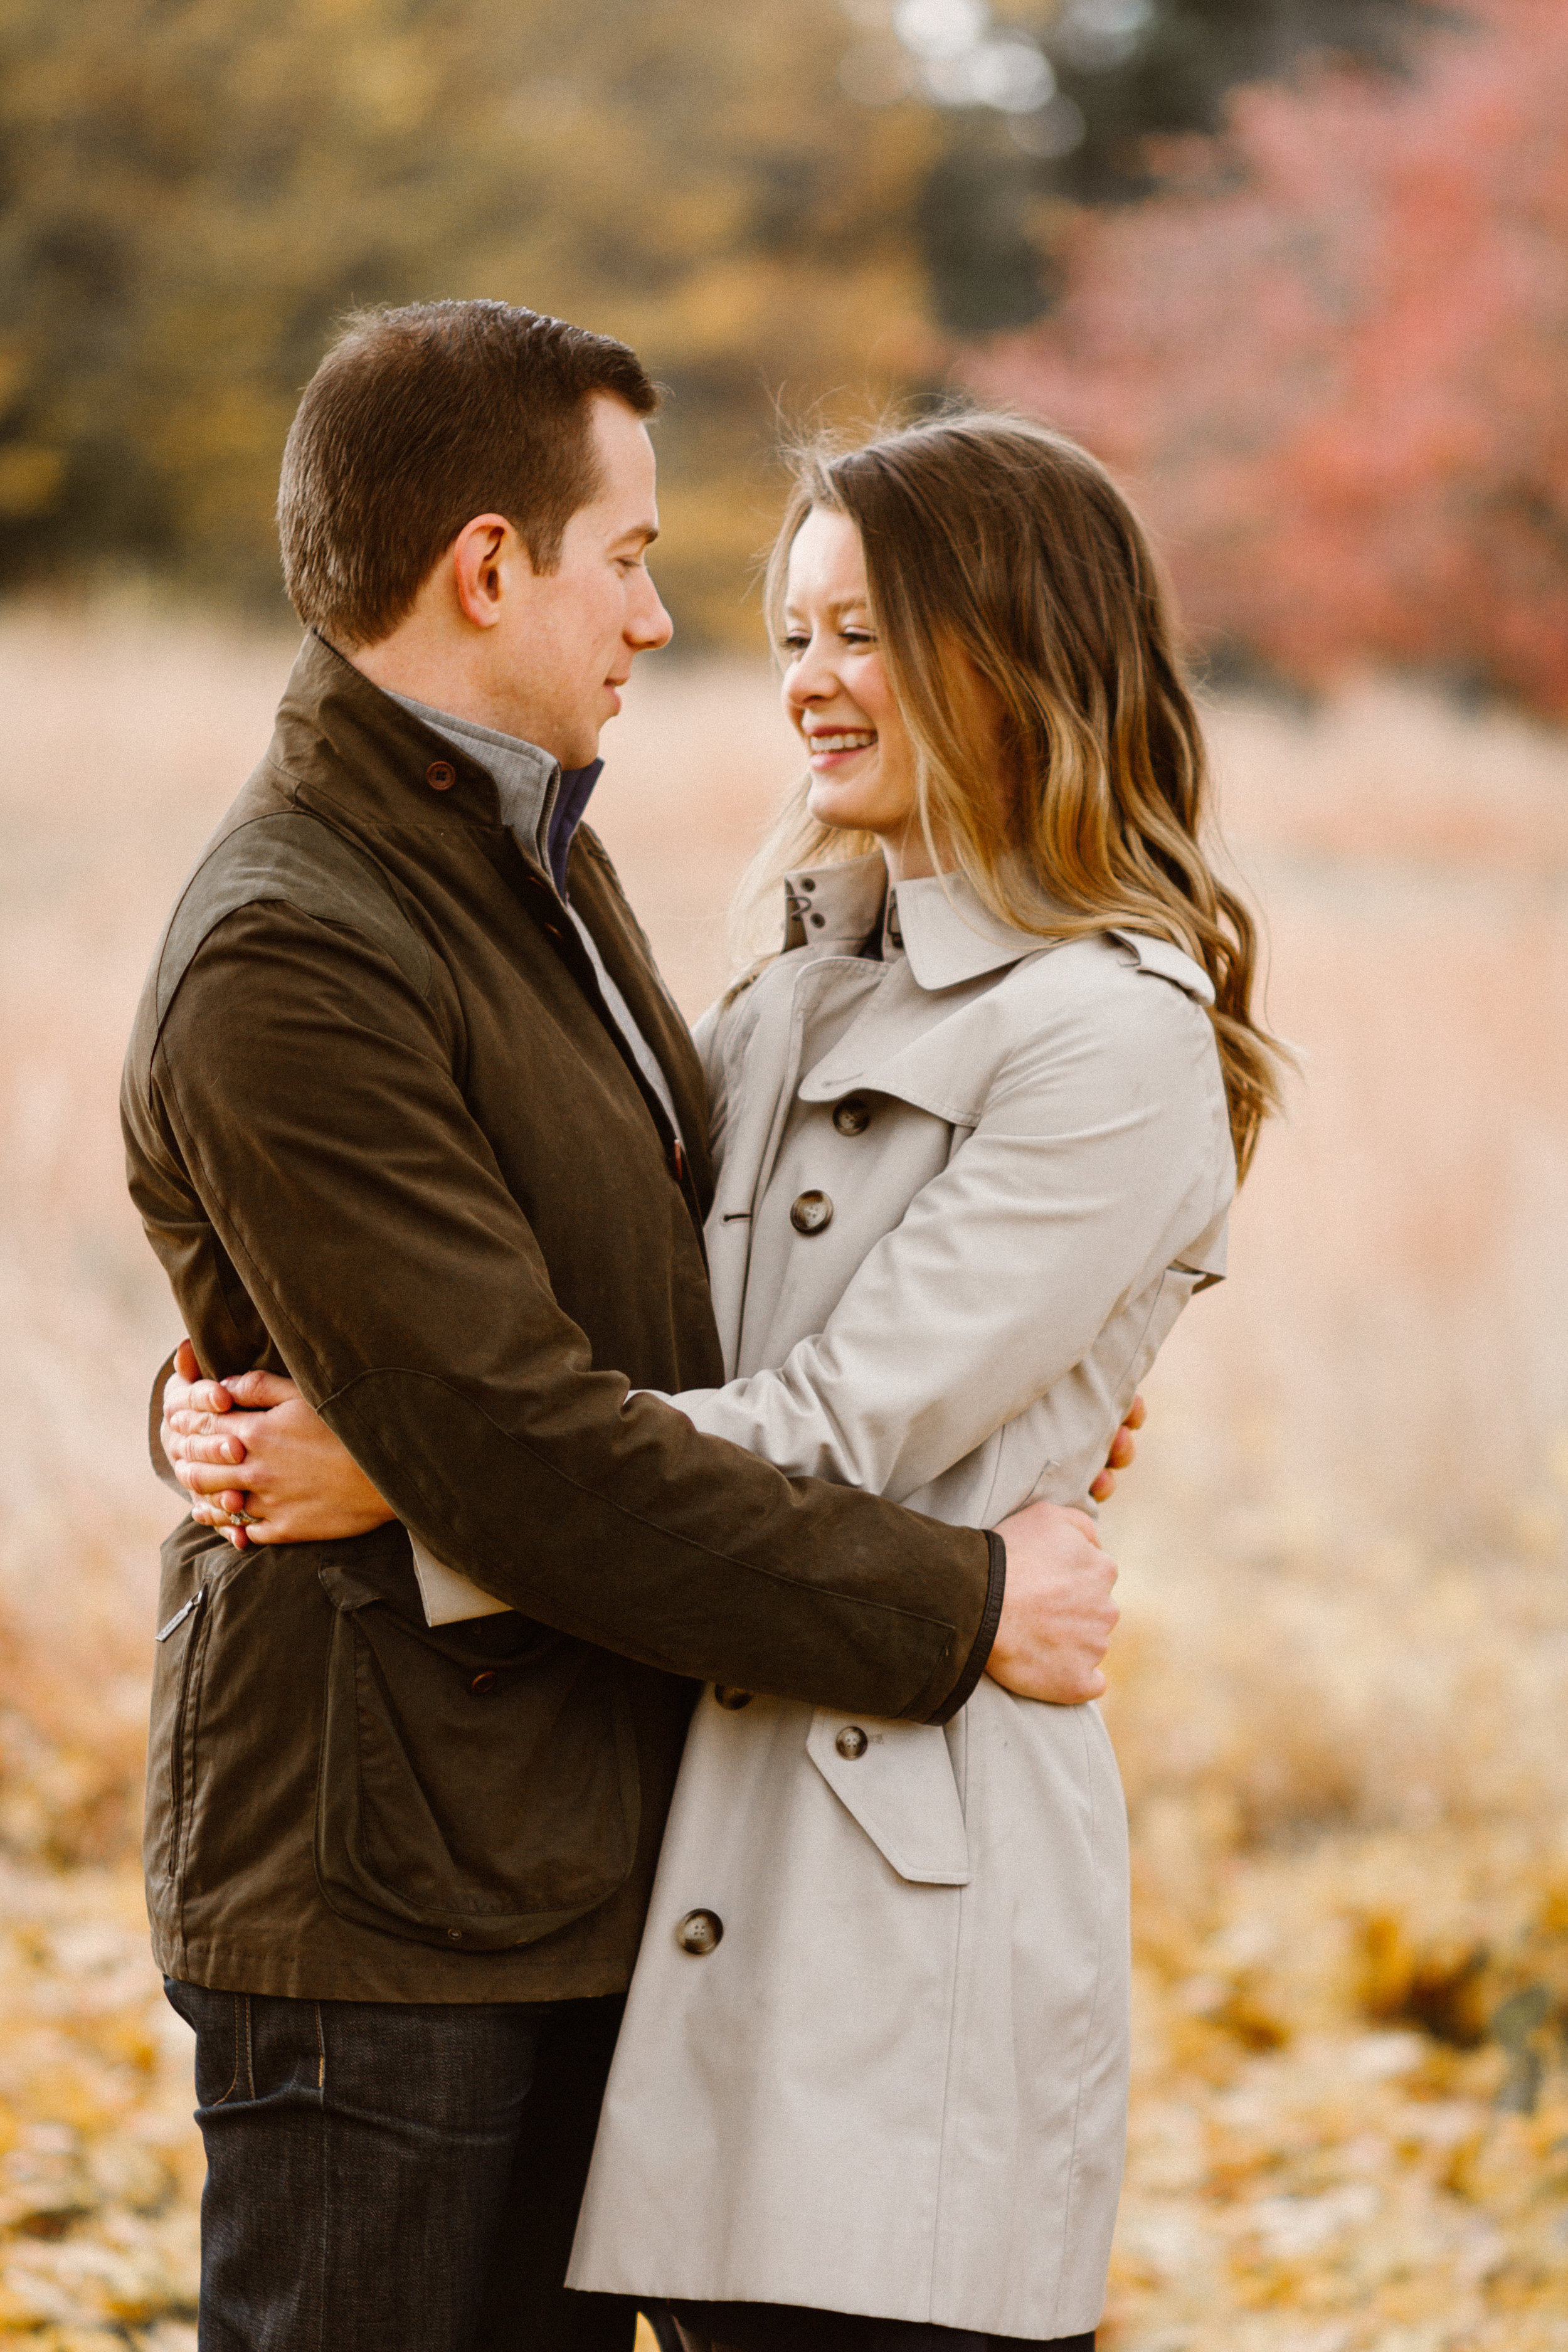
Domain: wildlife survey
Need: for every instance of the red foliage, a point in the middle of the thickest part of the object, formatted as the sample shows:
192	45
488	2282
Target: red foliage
1333	357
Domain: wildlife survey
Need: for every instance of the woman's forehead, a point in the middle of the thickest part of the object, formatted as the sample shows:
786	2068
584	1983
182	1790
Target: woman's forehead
826	560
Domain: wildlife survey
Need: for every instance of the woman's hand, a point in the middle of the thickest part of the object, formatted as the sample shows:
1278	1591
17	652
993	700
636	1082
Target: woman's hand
298	1484
1123	1449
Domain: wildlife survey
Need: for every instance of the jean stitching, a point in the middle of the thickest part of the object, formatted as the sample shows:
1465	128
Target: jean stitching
321	2344
234	2078
249	2051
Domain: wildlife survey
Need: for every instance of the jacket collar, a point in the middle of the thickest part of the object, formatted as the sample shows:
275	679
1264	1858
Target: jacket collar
947	933
541	803
334	725
940	923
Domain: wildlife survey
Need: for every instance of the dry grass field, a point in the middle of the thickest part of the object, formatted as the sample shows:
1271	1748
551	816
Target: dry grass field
1339	1683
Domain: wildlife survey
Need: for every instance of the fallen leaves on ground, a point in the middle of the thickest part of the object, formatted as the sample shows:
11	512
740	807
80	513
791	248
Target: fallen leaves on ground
101	2165
1325	2155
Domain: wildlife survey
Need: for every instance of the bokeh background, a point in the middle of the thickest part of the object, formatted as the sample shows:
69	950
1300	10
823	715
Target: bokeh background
1298	270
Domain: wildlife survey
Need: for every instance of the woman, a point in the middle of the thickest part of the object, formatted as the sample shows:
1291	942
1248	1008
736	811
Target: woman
977	1129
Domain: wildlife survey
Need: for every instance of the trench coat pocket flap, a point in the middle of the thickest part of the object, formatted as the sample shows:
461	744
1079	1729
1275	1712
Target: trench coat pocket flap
900	1786
949	1085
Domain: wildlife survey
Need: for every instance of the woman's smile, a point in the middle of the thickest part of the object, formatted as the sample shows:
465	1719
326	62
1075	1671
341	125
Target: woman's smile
833	748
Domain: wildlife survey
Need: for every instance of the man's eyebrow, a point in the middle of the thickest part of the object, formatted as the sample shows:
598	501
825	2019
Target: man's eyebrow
644	533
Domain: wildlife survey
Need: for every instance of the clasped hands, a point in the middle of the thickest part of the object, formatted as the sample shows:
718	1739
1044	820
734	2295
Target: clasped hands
301	1485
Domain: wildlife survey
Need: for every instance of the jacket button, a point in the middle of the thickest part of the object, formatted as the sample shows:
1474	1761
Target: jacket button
812	1213
700	1932
731	1698
852	1116
440	775
483	1682
851	1742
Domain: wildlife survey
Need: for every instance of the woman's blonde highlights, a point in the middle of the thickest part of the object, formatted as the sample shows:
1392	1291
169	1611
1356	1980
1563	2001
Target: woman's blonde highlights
1027	635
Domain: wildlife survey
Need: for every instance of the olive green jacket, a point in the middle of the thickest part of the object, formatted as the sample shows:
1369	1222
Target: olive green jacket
383	1135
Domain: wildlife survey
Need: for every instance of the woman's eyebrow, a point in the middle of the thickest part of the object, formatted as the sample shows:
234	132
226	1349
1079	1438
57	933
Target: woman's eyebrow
835	610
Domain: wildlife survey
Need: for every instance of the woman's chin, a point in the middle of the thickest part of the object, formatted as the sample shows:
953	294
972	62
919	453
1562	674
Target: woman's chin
845	807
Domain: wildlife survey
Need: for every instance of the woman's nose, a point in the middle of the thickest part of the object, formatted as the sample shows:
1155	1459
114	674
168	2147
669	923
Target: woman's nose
809	679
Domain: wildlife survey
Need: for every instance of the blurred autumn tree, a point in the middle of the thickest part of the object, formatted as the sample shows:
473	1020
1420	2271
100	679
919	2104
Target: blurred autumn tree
803	203
194	190
1333	356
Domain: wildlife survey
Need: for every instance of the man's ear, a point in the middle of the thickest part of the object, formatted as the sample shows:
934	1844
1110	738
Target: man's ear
483	554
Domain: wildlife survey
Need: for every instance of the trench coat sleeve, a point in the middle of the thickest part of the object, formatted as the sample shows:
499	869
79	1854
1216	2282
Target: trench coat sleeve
1099	1153
355	1228
708	1036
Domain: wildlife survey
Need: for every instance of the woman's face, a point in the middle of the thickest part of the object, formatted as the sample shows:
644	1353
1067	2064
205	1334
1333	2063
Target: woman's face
837	693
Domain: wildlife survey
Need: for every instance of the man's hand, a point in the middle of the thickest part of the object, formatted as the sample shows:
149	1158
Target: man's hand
1057	1616
251	1445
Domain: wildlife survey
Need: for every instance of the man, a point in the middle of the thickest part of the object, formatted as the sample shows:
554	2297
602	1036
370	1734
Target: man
410	1115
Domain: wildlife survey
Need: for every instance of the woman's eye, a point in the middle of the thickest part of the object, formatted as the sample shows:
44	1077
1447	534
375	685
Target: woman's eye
859	639
794	644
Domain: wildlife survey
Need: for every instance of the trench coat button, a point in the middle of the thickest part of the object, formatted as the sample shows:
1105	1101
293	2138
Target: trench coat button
851	1743
807	882
852	1116
812	1214
440	775
727	1695
482	1682
700	1932
820	921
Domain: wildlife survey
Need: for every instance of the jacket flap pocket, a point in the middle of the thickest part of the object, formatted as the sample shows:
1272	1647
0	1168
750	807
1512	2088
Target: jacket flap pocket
470	1793
896	1778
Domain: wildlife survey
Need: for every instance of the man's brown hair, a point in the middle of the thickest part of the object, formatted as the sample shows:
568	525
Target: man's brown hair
417	420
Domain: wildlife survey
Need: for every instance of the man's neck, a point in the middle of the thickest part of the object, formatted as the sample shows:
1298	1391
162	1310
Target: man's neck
418	667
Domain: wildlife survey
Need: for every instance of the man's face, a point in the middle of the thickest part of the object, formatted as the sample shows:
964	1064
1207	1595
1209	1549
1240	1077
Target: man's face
568	637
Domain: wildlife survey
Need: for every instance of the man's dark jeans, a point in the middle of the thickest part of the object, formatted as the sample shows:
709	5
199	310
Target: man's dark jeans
391	2178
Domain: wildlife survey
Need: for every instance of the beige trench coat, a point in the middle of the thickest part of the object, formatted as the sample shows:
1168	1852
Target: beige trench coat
897	2084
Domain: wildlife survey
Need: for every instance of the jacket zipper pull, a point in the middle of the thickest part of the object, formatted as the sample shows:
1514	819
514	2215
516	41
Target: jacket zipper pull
180	1615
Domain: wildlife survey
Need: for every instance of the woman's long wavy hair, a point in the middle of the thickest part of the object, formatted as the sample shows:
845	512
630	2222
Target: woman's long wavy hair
1000	552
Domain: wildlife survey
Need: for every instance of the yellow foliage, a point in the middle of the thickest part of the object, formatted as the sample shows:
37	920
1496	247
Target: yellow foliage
1338	1693
198	192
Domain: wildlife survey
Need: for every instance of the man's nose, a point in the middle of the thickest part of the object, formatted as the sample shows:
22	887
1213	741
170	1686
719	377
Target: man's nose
649	625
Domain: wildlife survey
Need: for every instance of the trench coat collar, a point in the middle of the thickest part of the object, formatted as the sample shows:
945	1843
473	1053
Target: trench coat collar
947	933
940	923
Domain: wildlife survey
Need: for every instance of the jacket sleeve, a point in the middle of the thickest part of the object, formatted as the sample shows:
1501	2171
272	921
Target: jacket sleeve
354	1225
1100	1153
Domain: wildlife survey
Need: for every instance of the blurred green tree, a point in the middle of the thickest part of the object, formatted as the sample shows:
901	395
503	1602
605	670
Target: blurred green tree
775	208
194	190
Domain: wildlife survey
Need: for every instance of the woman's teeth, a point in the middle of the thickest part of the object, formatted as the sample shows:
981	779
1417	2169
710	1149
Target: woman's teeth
861	743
